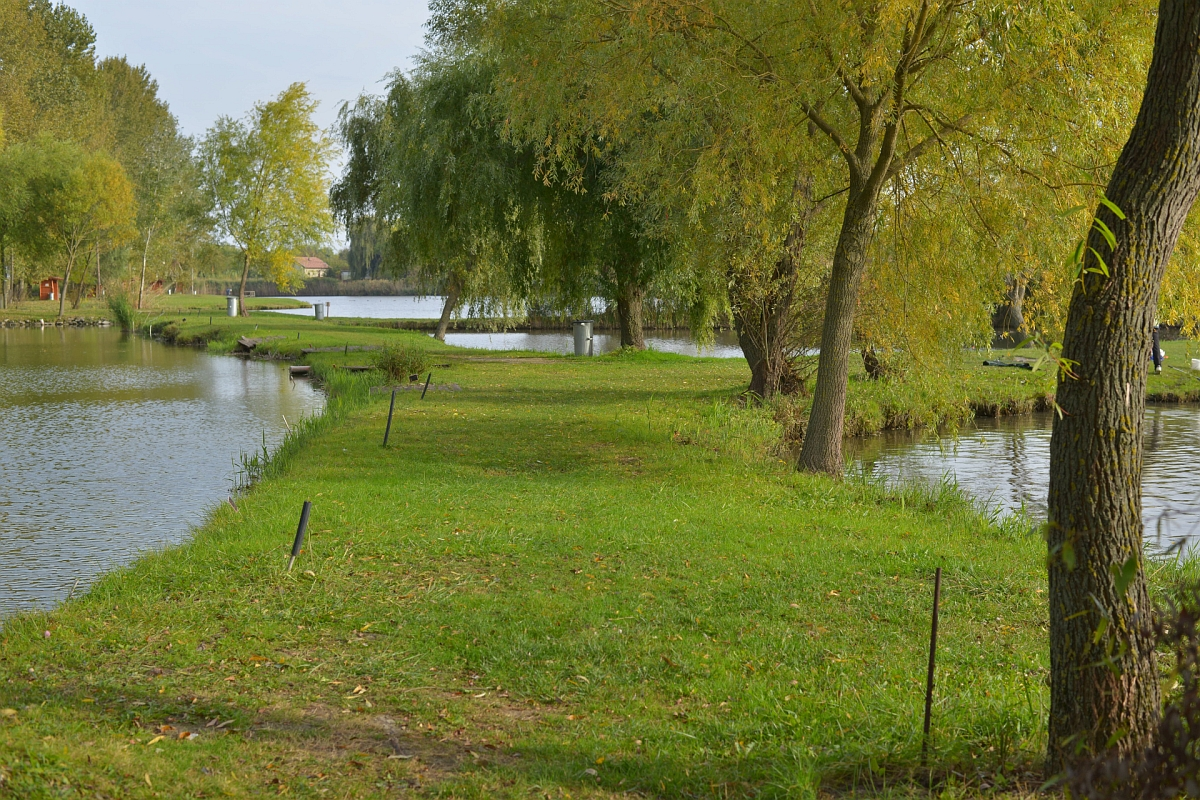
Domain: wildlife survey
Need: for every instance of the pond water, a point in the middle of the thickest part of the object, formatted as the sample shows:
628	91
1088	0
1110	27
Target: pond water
724	346
112	445
1005	463
398	307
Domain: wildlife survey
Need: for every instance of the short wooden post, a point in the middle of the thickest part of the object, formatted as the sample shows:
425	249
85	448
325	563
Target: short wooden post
387	431
296	545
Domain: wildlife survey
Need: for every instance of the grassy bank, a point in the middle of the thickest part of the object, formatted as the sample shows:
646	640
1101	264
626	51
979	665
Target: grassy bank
930	395
158	305
573	578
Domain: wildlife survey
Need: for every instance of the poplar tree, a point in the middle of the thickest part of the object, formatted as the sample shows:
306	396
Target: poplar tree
266	179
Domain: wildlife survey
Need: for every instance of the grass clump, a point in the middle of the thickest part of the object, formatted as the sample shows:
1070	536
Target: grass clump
401	360
122	311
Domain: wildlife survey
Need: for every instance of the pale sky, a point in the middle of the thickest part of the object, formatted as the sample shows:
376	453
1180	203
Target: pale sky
218	57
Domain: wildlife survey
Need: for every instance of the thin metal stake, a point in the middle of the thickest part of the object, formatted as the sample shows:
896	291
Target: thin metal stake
300	534
391	408
937	594
426	389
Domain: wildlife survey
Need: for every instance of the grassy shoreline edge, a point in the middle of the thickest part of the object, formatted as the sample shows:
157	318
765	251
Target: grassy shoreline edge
710	622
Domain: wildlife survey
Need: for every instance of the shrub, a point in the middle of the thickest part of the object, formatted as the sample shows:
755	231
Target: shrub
399	361
122	311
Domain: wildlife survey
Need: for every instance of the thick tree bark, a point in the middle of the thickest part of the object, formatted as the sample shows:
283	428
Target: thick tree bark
629	313
1103	675
822	449
453	293
241	288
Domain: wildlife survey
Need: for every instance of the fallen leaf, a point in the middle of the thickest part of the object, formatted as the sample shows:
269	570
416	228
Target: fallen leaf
8	712
155	740
257	658
481	694
231	678
835	593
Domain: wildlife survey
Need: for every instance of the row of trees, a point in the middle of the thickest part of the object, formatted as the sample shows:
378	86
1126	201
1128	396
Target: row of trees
97	178
876	177
99	186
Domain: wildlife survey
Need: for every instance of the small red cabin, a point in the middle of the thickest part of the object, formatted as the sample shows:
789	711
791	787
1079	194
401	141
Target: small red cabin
49	290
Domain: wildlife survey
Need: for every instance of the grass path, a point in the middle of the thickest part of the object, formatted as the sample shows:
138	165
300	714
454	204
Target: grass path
571	579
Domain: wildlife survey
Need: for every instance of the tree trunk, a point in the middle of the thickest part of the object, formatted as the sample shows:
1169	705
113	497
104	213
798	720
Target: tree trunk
98	271
822	450
1010	317
242	287
62	290
764	315
452	295
629	313
1103	673
4	266
145	256
763	328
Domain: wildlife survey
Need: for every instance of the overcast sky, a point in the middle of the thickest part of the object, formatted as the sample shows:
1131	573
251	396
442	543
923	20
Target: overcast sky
218	57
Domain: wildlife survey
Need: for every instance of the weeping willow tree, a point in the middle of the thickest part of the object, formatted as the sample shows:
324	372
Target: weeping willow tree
428	163
864	94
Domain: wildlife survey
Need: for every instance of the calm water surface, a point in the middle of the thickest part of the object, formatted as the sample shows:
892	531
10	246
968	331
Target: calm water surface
1006	463
725	345
112	445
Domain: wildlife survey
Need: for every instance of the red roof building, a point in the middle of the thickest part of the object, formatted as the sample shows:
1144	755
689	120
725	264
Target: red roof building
312	266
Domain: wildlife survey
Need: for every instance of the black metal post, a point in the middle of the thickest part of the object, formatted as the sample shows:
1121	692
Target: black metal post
426	389
937	593
296	545
387	431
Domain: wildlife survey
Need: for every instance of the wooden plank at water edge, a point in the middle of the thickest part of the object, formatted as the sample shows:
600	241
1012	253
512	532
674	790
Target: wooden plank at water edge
301	369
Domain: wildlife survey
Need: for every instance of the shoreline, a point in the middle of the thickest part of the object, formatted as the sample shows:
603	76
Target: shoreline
483	613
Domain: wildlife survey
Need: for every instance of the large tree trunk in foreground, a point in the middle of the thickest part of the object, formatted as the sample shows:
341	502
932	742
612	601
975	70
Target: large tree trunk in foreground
241	288
453	293
629	313
1103	675
822	450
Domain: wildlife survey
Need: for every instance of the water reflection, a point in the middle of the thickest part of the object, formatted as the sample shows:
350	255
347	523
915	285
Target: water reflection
111	445
1006	463
724	346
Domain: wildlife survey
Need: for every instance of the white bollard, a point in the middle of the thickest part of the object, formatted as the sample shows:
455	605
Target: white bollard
1196	363
231	306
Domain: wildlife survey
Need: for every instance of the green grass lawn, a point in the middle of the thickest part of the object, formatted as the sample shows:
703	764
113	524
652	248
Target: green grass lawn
573	578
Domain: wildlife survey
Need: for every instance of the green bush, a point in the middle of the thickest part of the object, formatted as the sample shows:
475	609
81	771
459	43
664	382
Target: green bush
122	311
400	361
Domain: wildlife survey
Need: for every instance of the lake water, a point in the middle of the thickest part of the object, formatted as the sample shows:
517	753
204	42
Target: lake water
1005	463
724	346
112	445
